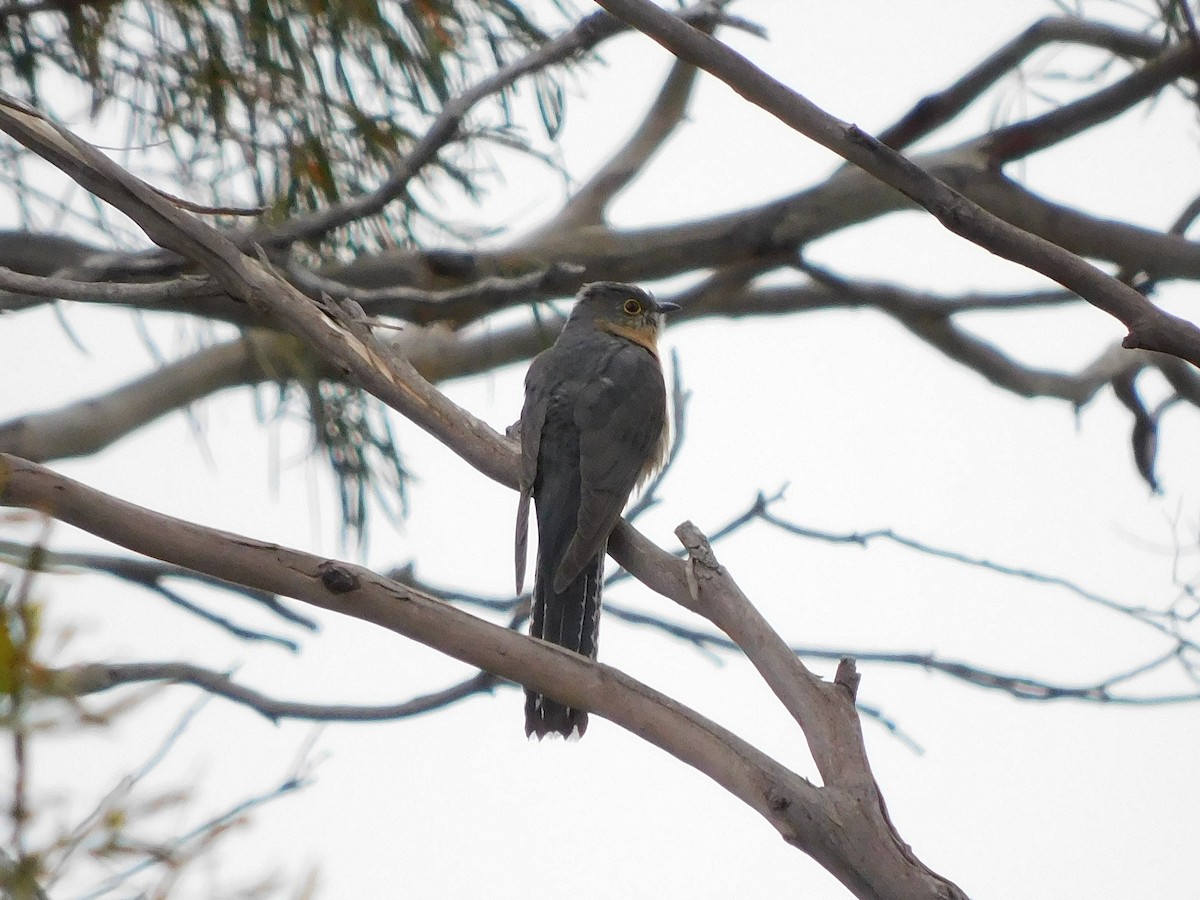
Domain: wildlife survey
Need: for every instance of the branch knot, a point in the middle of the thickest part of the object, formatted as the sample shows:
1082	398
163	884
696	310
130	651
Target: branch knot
337	578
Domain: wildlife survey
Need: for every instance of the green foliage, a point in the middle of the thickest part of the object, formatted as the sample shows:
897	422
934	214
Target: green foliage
286	104
353	430
20	627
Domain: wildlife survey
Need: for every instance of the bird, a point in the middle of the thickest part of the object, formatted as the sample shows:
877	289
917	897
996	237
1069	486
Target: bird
593	427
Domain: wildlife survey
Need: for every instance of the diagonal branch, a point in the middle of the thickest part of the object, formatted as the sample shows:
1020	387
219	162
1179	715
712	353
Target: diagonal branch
1022	139
1160	255
351	590
589	203
843	825
86	426
1149	327
345	344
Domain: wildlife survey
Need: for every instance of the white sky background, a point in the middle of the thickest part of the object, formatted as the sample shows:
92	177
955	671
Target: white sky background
869	428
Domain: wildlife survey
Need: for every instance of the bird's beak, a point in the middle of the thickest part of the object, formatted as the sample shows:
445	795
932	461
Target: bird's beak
666	306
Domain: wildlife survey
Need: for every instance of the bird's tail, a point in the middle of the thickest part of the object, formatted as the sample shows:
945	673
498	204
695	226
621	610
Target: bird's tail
570	619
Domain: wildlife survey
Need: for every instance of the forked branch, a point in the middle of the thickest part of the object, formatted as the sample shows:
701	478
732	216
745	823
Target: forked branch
842	825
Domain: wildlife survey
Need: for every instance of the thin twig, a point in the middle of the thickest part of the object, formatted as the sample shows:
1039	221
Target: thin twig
935	110
122	790
456	307
151	574
93	678
288	785
1021	139
1159	620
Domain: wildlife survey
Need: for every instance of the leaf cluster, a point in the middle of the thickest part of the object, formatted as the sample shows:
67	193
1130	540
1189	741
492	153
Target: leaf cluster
285	104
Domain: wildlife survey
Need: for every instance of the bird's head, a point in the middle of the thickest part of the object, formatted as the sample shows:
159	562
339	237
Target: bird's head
622	309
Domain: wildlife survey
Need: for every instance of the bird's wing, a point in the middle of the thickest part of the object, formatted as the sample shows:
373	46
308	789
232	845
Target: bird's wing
620	414
538	384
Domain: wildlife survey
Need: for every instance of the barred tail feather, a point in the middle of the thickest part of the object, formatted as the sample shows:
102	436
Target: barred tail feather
570	619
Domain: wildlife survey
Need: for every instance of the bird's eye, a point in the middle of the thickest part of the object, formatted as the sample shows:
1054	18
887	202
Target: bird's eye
632	307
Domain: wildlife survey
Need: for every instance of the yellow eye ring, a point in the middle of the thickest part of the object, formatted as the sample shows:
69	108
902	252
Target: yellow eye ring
632	307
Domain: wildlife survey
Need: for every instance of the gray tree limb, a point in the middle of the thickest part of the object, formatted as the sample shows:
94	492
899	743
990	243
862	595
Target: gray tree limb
843	825
1149	327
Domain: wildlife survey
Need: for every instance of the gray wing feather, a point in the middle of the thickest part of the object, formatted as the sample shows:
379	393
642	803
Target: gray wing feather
533	417
620	415
521	549
538	384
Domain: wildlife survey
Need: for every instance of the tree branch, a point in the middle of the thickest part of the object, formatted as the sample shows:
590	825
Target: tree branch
1023	139
763	237
882	863
812	819
935	110
1149	327
843	826
93	678
89	425
153	576
1161	256
24	291
455	307
588	205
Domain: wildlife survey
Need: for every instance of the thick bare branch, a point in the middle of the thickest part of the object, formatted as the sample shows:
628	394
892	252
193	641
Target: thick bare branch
843	826
1161	256
343	342
789	802
1149	327
883	864
88	425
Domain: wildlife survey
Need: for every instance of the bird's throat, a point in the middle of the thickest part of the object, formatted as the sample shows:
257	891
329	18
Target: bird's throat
643	337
